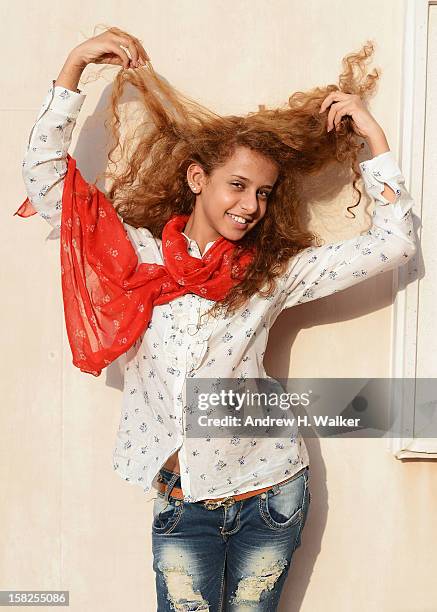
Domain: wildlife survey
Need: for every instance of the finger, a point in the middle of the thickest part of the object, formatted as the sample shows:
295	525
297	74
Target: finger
142	55
142	52
134	51
331	114
333	96
339	116
130	46
335	108
326	102
121	53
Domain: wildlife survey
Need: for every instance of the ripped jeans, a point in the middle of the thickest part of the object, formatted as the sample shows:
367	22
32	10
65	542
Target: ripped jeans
230	559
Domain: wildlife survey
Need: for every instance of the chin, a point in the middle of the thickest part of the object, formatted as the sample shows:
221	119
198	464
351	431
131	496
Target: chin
233	235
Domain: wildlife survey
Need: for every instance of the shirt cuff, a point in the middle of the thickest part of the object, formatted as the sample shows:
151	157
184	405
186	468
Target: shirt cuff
383	168
65	101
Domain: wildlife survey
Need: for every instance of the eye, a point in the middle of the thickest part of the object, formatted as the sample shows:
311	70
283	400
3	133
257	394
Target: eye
266	193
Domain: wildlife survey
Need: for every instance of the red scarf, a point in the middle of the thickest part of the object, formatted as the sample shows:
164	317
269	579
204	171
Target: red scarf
108	295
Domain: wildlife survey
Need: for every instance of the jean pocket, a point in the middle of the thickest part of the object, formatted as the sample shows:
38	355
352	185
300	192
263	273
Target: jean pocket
305	509
166	513
285	507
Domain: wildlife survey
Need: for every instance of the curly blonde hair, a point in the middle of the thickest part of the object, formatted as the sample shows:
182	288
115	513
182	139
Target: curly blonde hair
178	131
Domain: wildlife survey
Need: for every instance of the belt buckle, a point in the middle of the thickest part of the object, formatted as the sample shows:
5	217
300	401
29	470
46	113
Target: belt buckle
226	502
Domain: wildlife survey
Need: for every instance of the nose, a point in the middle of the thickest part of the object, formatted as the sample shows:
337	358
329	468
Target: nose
250	204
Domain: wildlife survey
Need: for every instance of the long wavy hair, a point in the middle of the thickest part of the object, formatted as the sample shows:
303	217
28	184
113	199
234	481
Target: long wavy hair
174	131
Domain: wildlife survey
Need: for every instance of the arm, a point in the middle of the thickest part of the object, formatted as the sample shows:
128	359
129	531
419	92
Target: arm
317	272
44	165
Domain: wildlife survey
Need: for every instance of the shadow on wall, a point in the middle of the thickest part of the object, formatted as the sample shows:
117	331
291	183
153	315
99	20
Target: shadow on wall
327	218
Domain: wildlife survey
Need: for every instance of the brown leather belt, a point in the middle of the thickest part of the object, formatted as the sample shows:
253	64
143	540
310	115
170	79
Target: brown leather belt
211	504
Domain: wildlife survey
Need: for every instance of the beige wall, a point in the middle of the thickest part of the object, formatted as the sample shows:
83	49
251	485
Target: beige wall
67	521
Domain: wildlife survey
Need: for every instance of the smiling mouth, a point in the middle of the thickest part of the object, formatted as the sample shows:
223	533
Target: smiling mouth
237	221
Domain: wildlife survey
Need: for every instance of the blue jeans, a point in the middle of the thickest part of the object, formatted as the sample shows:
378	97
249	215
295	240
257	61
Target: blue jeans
227	559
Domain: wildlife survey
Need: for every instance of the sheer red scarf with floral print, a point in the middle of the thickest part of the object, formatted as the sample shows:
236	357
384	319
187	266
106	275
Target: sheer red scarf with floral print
108	294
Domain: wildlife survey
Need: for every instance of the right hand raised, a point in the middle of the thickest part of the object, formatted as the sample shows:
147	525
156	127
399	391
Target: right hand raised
105	49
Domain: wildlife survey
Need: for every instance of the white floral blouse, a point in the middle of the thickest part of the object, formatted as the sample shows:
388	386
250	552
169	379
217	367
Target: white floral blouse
176	347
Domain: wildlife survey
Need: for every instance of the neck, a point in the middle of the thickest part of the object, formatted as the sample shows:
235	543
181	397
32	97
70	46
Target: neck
198	229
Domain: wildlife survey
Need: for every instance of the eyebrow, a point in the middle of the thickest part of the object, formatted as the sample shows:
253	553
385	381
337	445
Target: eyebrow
246	179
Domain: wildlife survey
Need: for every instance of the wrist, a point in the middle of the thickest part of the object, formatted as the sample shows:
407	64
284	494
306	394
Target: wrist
70	73
75	61
377	142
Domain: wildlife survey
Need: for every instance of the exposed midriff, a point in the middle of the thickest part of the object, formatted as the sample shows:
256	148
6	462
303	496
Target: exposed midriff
172	463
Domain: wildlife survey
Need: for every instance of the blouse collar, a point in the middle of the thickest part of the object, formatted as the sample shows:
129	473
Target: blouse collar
192	242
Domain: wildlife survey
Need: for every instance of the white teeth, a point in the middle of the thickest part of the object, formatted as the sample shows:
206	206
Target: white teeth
239	219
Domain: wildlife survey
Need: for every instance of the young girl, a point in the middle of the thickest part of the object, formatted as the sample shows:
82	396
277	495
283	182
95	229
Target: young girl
213	220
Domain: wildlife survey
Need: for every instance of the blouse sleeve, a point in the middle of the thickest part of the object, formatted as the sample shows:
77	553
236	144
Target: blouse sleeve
317	272
44	164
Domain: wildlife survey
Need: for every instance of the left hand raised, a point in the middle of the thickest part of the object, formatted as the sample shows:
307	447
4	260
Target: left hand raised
349	104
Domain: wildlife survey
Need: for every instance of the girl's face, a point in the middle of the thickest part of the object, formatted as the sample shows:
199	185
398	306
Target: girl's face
240	188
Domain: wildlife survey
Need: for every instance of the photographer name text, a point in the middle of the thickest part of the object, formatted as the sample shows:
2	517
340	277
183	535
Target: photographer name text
300	421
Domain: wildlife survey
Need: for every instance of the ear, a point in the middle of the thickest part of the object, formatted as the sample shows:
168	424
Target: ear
196	175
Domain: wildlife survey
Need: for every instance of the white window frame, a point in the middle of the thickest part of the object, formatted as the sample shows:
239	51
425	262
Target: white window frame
404	359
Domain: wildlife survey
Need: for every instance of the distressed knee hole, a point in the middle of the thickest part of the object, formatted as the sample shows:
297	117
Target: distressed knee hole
181	591
250	588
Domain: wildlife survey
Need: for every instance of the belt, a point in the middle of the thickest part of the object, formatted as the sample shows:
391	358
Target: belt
211	504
